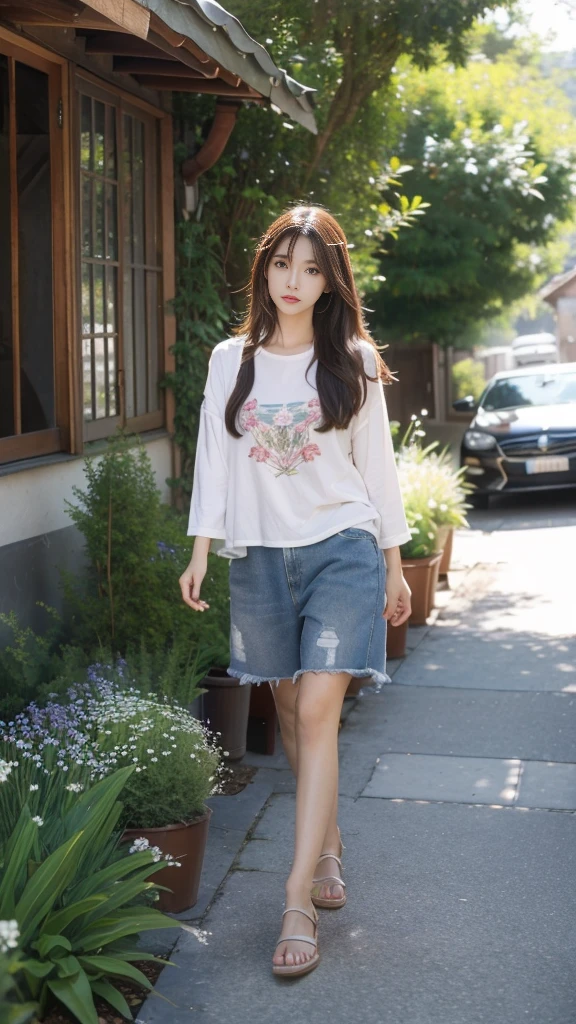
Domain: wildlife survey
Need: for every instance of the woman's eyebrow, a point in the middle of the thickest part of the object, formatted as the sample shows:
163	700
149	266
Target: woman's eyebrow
284	256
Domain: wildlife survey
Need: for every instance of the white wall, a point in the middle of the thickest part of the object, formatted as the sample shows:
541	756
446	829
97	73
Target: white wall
32	500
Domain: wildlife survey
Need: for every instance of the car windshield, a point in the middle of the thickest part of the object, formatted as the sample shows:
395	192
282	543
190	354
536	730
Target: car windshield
532	389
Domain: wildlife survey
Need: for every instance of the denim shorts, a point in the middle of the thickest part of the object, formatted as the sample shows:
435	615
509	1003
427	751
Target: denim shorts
315	608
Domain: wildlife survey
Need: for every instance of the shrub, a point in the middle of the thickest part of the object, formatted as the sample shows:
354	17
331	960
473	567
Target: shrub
468	378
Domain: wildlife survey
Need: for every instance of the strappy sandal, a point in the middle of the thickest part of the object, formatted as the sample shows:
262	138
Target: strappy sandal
323	901
309	965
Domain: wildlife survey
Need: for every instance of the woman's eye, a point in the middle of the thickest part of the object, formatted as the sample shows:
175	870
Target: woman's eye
313	270
280	264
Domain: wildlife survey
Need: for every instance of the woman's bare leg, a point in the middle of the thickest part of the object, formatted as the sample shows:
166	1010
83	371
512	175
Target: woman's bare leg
285	695
318	707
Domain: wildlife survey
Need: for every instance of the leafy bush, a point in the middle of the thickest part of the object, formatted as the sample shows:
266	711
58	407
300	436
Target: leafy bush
433	491
468	378
76	907
137	549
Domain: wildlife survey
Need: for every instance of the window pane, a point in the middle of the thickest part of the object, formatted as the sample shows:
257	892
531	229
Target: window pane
127	184
152	326
128	338
86	156
110	169
100	377
87	377
112	222
6	365
34	248
87	299
111	300
98	298
138	191
140	341
86	216
112	389
98	249
99	130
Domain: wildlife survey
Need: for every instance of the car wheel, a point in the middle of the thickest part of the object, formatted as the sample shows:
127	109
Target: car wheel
479	500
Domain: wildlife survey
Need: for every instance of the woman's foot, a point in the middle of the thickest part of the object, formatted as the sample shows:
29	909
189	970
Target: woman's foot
329	868
329	890
296	951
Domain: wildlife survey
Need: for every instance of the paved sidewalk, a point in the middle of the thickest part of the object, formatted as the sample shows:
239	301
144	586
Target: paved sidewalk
458	801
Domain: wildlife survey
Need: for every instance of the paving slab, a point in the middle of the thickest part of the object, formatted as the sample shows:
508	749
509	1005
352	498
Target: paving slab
455	916
482	780
451	721
548	784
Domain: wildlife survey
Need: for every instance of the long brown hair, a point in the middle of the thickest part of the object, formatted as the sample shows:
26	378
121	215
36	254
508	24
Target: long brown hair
336	319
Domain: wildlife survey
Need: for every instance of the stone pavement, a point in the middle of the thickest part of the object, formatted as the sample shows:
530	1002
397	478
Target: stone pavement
458	814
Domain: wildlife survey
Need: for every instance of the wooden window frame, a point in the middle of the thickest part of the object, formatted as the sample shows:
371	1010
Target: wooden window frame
68	436
57	438
126	103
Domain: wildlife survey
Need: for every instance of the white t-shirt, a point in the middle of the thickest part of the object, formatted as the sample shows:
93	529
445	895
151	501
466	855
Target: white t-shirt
282	484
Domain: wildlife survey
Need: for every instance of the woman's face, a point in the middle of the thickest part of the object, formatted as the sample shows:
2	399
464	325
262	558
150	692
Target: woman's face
296	284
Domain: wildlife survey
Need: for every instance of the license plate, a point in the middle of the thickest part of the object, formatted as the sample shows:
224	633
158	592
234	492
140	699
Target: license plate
548	464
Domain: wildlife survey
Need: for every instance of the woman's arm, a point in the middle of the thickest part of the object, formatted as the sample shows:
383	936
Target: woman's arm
398	594
373	456
207	518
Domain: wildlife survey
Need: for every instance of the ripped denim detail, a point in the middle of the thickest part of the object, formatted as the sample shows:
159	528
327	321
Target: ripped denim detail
380	679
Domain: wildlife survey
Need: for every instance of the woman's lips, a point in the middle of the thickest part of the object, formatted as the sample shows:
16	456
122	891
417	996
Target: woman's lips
290	298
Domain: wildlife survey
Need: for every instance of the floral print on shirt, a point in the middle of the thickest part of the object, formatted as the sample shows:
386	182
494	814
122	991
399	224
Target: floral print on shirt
282	433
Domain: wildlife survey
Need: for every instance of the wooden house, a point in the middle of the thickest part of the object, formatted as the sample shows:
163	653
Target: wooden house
87	242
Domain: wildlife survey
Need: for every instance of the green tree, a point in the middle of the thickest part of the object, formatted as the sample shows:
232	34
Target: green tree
493	151
347	49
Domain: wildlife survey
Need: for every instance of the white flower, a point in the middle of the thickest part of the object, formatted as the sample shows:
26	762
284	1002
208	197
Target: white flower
34	788
432	503
39	821
139	844
9	934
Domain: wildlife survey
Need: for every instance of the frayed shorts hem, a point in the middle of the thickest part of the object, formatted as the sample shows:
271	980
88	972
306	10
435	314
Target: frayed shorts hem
380	679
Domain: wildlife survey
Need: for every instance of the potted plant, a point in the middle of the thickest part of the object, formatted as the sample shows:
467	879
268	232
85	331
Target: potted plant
441	487
178	768
225	703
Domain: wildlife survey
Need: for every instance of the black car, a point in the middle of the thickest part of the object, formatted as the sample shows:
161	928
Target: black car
523	435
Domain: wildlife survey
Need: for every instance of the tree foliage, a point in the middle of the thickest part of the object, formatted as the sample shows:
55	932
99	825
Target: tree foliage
493	151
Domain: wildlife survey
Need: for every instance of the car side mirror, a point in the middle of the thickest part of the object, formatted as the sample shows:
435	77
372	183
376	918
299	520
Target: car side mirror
467	404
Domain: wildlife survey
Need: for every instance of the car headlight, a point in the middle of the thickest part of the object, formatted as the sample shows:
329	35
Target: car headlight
478	441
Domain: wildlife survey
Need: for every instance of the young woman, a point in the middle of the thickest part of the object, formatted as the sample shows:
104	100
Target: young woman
295	482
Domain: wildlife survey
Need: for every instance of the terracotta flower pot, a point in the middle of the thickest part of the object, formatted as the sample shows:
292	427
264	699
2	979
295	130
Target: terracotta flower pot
262	720
421	574
447	542
186	841
396	639
355	685
225	708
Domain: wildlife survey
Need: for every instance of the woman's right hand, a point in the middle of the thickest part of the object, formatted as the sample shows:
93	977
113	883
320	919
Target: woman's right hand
190	583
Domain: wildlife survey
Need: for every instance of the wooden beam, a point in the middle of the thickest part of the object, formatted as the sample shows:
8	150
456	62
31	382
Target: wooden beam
120	44
211	87
129	14
145	66
42	17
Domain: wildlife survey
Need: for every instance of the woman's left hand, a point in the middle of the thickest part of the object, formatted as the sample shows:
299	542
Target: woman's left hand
398	599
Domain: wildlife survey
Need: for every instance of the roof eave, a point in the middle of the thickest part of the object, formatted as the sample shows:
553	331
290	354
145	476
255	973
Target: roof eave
225	40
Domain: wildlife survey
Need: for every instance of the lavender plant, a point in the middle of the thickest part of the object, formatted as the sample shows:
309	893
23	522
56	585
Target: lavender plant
61	749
